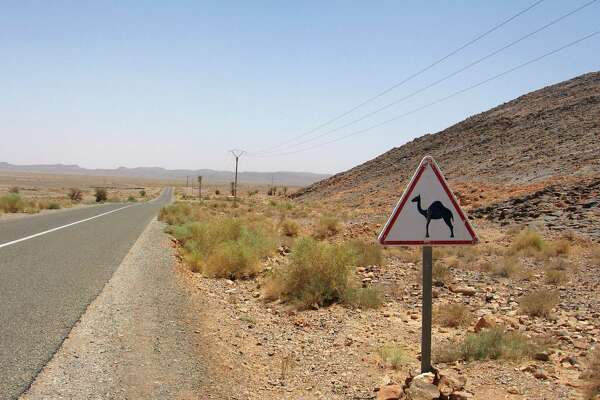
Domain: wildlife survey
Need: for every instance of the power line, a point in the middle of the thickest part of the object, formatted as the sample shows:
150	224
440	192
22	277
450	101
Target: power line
446	77
408	78
442	99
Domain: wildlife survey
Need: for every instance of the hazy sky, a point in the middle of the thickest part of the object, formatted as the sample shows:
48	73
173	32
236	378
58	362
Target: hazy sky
178	83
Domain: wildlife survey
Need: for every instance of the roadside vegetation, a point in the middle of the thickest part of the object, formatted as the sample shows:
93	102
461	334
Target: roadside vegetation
490	344
221	241
16	201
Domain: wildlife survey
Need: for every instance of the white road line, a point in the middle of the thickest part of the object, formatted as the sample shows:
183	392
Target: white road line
60	227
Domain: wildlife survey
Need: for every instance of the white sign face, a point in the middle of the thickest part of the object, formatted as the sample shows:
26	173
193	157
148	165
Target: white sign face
427	213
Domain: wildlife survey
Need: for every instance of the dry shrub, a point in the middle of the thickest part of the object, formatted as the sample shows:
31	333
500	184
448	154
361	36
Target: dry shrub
224	246
176	214
393	355
539	303
326	227
556	277
527	242
100	195
75	195
363	297
592	375
555	248
366	253
490	344
453	315
12	203
319	275
290	228
507	267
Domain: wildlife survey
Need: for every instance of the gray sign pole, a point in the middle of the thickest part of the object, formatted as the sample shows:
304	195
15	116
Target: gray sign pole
426	315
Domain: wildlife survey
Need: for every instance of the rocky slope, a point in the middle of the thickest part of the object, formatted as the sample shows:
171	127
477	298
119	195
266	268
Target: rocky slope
551	132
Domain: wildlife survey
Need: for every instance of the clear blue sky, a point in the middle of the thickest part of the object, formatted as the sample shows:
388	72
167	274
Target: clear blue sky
178	83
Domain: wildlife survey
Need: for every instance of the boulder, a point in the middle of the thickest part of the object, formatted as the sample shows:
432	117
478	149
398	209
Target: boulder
422	388
464	290
389	392
450	381
461	395
485	322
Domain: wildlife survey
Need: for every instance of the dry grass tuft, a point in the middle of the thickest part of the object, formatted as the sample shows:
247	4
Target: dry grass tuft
490	344
527	242
393	356
556	277
453	315
507	267
366	253
539	303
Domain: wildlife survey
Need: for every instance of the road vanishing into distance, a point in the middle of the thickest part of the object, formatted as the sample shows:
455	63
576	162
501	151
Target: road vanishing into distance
52	267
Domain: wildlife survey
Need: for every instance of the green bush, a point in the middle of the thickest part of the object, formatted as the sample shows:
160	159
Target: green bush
101	195
12	203
14	189
490	344
142	193
131	199
366	253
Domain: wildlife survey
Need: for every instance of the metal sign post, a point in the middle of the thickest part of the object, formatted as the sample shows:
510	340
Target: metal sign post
427	309
427	214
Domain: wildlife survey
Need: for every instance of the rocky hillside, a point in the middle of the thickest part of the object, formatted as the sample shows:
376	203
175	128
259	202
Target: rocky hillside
550	133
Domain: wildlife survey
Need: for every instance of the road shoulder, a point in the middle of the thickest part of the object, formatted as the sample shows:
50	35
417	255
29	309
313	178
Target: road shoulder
137	339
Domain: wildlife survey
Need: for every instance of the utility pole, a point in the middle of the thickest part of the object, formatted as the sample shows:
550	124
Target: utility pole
187	184
237	154
200	188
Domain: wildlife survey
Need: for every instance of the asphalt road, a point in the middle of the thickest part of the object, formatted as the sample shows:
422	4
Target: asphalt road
47	281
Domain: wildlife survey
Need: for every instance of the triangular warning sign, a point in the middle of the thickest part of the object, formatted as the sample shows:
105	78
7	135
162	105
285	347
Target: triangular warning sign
427	213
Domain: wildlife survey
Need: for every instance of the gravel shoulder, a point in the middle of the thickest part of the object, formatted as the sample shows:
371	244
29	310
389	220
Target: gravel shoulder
138	339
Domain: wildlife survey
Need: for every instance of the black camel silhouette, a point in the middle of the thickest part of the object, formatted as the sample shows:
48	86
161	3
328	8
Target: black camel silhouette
435	211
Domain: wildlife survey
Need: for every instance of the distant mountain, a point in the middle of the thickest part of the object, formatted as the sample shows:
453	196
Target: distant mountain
209	175
549	133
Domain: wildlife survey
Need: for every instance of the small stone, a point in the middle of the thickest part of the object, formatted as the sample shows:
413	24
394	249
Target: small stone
542	356
389	392
540	374
464	290
461	395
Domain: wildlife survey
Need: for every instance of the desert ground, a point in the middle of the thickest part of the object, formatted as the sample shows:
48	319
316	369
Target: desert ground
515	317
